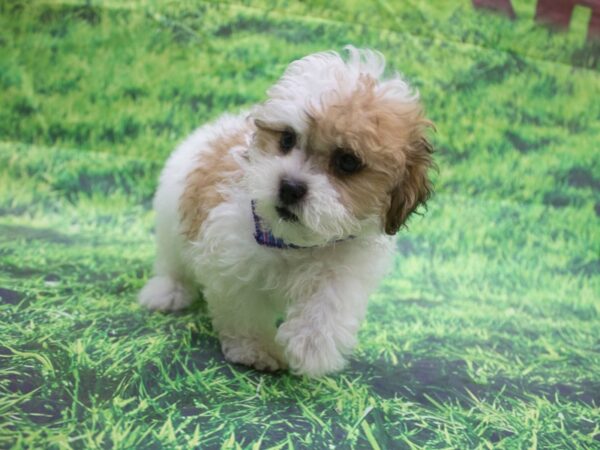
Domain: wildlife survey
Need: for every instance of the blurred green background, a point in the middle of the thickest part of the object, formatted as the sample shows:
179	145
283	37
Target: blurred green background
486	334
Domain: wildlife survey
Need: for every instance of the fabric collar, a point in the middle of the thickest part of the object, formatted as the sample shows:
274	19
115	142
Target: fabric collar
263	235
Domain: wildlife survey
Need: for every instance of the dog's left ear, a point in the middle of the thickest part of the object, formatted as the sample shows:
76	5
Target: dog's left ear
413	189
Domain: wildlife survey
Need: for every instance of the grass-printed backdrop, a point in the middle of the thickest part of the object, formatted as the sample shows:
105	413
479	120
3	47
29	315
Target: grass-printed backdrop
486	334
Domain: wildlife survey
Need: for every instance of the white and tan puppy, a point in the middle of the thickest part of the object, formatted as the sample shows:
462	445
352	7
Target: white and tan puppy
284	216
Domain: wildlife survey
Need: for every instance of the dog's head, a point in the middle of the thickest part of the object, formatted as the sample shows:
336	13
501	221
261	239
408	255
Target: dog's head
338	151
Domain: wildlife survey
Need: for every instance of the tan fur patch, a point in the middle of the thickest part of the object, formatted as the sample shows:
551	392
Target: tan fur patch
215	168
389	137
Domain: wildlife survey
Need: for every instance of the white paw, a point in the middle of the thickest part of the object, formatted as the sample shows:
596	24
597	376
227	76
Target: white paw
308	350
248	352
162	293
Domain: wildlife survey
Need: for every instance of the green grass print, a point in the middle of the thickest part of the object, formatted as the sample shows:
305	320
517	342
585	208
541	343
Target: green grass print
486	333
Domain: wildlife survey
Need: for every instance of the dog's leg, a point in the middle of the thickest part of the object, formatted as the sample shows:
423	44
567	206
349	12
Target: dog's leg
321	329
249	352
171	288
164	293
246	322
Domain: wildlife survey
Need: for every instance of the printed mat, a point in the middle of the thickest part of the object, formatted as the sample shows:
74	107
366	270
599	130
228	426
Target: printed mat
486	334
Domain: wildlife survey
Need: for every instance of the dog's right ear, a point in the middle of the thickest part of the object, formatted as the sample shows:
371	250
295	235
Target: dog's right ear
413	190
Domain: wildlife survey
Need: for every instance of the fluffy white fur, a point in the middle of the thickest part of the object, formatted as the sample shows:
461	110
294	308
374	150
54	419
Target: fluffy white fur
320	292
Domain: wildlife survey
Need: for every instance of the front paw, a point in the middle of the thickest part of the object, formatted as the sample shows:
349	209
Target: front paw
248	352
162	293
308	350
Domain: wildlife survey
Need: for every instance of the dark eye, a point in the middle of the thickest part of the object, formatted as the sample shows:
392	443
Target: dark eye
287	141
346	163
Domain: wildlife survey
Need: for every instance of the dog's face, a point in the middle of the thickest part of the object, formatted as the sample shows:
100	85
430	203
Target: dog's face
338	152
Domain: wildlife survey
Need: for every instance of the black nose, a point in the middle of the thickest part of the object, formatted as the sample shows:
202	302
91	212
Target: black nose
291	191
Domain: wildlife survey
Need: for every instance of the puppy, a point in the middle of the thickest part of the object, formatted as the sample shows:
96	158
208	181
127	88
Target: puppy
284	216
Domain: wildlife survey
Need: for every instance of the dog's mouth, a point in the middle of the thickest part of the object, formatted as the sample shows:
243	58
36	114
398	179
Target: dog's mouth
286	214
